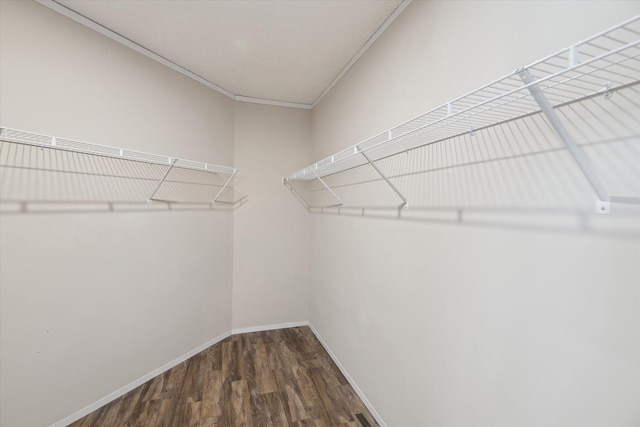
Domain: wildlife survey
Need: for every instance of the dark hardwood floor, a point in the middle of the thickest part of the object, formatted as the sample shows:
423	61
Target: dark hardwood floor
273	378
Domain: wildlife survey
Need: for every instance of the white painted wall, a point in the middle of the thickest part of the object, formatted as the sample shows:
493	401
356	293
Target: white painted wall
460	325
271	231
439	325
93	301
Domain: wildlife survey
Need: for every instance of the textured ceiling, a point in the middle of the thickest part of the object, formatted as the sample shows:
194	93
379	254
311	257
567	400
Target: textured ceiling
288	51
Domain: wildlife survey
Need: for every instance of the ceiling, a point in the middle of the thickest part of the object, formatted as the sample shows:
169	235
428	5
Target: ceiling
290	51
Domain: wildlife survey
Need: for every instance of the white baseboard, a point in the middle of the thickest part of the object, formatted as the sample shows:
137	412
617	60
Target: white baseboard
127	388
351	381
132	385
269	327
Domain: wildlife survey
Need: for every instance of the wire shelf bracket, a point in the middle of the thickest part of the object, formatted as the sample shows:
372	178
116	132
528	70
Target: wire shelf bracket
340	202
151	199
404	204
603	204
224	187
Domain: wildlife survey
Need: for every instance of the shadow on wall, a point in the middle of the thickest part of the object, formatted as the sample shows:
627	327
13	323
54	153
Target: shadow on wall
41	179
624	225
21	208
516	174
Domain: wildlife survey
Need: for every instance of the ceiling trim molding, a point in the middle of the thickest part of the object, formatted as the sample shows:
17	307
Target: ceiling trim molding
81	19
272	102
363	49
63	10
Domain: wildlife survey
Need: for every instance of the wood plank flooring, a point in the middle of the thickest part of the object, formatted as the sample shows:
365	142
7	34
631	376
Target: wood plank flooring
263	379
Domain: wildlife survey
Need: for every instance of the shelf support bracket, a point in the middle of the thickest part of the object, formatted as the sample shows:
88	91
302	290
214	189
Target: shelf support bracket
173	163
603	202
285	181
404	204
224	187
328	188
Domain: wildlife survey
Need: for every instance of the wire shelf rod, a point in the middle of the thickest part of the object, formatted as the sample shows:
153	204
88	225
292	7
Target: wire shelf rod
506	80
507	121
523	96
36	168
47	141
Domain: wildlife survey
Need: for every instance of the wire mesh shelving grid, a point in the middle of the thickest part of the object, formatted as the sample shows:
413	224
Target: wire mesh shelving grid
604	64
36	168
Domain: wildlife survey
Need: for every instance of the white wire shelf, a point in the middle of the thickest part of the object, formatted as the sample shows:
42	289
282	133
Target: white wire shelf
548	91
37	168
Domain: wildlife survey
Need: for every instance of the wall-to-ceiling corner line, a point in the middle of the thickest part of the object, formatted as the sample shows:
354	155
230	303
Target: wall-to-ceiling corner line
119	38
397	11
101	29
264	101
